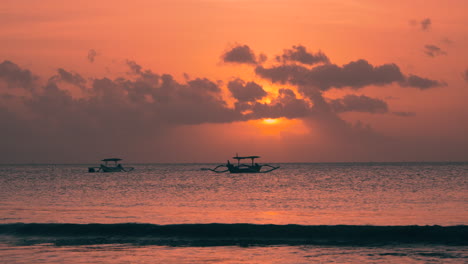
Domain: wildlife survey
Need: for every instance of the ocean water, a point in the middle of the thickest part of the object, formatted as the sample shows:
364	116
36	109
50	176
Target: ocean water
178	213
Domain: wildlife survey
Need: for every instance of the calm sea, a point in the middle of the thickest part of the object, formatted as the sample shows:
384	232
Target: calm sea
178	213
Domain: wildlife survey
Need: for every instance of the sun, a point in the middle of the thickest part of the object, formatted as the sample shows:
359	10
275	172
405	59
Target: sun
270	121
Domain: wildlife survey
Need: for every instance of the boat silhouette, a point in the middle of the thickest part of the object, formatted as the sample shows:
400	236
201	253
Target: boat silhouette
241	167
113	167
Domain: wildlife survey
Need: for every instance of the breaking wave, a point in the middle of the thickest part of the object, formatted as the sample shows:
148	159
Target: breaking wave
229	234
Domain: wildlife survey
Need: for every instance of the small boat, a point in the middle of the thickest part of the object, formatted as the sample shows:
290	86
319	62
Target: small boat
113	167
243	168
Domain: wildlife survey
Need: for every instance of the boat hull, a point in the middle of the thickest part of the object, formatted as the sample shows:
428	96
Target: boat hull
105	168
244	169
111	169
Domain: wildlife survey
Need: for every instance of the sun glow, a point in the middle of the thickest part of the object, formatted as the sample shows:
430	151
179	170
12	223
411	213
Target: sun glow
270	121
278	126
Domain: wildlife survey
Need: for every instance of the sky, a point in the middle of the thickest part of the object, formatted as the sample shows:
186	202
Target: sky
185	81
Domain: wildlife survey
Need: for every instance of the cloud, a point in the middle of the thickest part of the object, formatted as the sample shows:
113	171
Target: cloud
140	110
69	77
433	50
242	54
246	92
139	101
359	103
111	116
195	102
299	54
282	73
286	104
404	114
465	75
356	74
421	83
15	77
130	111
426	24
92	55
134	67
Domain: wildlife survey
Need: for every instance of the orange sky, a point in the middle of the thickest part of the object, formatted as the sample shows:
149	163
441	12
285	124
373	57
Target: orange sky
366	116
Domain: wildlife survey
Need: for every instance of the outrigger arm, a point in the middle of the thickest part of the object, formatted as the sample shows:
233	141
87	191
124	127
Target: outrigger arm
268	165
215	169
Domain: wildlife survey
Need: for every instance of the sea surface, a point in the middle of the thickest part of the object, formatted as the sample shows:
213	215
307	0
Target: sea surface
178	213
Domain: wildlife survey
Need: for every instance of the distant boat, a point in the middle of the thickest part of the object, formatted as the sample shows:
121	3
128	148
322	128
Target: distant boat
243	168
113	167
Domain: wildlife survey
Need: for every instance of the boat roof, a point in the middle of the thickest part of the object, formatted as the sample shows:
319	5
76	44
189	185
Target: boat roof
246	157
112	159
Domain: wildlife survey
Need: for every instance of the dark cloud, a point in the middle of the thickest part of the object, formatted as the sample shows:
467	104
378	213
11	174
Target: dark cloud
282	73
426	24
69	77
240	54
92	55
286	104
194	102
15	77
355	75
433	50
246	92
421	83
465	75
111	115
404	114
138	102
293	107
300	54
134	67
359	103
146	77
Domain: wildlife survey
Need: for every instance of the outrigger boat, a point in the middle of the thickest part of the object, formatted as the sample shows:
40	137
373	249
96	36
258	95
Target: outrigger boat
243	168
115	167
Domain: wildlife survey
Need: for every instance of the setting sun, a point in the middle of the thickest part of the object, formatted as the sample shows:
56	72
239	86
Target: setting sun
270	121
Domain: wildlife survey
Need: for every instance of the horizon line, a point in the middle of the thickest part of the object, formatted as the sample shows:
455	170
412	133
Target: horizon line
288	162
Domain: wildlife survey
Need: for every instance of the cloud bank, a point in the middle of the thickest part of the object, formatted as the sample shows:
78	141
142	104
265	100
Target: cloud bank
106	115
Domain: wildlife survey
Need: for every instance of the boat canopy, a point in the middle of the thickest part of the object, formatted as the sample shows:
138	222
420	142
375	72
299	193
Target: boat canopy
112	159
247	157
